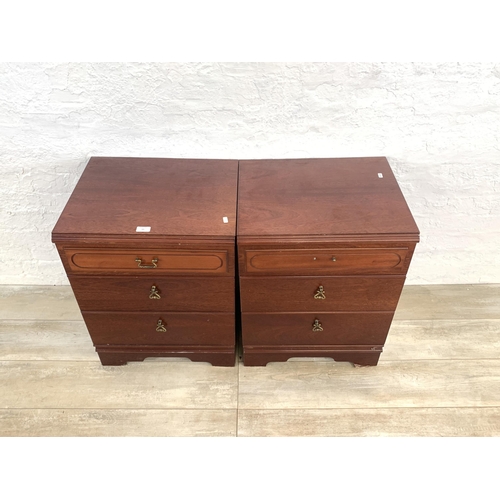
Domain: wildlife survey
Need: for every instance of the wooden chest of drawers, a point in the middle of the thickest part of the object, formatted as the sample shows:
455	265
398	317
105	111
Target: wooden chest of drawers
148	246
324	246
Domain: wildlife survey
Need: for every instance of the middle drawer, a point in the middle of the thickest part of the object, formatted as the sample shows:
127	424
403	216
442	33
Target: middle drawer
320	293
134	293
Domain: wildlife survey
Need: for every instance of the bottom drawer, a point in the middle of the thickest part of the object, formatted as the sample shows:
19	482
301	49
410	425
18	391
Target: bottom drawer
161	328
316	329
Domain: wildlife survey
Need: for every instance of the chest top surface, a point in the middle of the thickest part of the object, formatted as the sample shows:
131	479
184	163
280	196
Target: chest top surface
174	197
300	198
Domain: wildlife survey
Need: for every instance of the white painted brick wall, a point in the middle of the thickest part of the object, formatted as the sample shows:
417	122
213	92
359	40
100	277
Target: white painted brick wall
438	124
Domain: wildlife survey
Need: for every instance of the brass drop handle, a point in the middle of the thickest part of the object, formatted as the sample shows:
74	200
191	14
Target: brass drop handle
334	258
317	326
320	293
154	293
160	327
154	260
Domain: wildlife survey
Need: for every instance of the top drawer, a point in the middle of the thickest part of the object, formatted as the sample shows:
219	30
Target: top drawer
147	262
326	261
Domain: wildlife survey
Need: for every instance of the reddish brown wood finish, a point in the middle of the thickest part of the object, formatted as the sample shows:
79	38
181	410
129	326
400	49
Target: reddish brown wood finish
129	249
293	294
132	293
297	328
321	261
184	202
260	356
208	329
340	223
125	261
175	197
322	197
122	355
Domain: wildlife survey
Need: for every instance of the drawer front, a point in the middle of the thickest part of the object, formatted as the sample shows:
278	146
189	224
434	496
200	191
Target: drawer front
326	261
315	328
322	293
146	262
161	328
134	293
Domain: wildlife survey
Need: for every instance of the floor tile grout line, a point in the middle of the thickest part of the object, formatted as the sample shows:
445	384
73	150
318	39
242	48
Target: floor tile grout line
375	408
397	323
333	363
79	408
38	320
395	320
97	361
350	408
421	319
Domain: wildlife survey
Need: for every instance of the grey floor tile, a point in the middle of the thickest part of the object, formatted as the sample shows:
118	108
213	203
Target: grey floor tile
149	384
449	302
387	422
434	383
38	303
443	339
45	340
121	423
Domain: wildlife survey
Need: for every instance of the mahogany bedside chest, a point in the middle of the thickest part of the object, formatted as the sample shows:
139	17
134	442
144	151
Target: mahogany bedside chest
148	245
324	246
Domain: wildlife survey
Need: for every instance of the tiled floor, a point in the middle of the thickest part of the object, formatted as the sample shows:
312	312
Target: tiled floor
438	376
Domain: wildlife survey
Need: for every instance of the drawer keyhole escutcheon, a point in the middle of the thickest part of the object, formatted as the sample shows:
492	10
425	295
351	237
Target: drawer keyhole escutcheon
320	293
154	261
160	327
317	326
154	293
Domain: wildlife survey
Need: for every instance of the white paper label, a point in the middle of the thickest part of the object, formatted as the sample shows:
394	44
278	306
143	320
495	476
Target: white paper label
225	220
380	176
143	229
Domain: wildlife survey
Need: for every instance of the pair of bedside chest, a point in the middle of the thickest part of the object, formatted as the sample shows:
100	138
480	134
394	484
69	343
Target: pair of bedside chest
166	256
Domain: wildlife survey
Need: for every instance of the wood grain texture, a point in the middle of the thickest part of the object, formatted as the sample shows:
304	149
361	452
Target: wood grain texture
45	340
181	294
380	422
195	329
320	217
38	303
276	198
443	383
443	339
147	385
182	197
330	261
436	377
117	355
281	329
121	261
357	355
475	301
188	208
117	423
293	294
427	339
